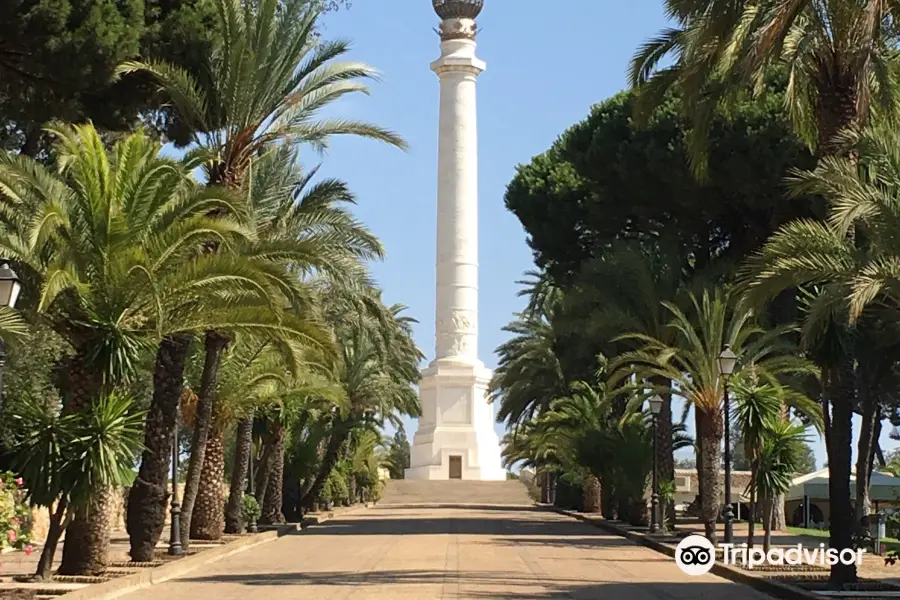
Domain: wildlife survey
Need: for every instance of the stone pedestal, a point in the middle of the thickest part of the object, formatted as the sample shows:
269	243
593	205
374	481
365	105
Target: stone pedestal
456	421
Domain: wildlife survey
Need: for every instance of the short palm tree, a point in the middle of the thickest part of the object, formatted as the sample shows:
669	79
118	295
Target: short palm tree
757	409
378	367
64	458
691	362
778	461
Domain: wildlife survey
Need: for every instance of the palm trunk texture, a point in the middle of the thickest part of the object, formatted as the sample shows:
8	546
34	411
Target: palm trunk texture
242	454
839	392
208	522
86	547
708	436
215	344
272	503
146	512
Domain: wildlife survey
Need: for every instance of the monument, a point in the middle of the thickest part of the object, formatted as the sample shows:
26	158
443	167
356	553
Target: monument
456	437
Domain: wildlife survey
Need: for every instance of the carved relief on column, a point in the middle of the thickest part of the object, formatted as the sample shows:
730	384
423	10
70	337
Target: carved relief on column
454	335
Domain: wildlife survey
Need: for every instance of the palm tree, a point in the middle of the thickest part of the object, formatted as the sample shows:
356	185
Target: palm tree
378	367
842	277
267	80
758	409
623	291
309	392
529	376
691	362
111	237
778	461
837	55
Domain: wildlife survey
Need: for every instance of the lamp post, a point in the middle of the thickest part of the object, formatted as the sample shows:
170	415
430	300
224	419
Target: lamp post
655	407
252	527
175	547
727	361
10	286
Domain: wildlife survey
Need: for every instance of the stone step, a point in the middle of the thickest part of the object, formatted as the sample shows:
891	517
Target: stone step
455	491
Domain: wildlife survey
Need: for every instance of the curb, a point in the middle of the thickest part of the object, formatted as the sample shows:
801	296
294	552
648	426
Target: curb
767	586
149	577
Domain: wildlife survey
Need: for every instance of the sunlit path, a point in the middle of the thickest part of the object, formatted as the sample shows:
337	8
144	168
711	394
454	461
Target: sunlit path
425	553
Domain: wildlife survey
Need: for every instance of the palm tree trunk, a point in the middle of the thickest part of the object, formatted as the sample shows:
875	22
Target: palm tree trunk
208	521
215	344
146	511
271	509
86	547
839	392
866	444
59	520
242	455
767	524
751	518
592	494
698	426
709	474
338	437
264	467
89	532
664	452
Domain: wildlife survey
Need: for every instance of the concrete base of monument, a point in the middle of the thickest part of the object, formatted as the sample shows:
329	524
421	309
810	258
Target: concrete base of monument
456	437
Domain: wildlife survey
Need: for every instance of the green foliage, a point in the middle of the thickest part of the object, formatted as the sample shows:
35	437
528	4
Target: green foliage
397	459
29	376
250	509
70	456
65	52
606	179
268	54
667	489
779	458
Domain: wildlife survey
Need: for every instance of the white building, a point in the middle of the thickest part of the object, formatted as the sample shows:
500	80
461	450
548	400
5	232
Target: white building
456	438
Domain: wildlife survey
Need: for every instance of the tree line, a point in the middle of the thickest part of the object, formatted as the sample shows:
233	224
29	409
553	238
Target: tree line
742	192
224	294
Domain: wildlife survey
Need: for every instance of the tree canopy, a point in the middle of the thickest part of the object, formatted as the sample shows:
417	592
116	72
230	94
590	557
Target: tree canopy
607	179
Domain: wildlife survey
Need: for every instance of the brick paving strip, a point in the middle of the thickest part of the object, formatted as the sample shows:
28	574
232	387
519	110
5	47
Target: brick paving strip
129	577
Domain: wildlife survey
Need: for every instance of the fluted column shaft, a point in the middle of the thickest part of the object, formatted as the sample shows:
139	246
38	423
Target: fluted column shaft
456	311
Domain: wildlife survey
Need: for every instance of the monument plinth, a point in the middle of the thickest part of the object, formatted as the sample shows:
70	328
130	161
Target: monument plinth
456	438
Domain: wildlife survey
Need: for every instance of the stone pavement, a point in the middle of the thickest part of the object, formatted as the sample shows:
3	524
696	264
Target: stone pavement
448	553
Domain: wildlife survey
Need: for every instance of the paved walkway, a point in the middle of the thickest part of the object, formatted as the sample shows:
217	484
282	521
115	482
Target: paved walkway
470	553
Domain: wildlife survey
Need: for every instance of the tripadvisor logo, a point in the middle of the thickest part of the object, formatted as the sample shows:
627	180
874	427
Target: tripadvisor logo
695	555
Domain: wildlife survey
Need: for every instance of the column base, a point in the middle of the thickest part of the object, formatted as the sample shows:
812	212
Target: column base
456	437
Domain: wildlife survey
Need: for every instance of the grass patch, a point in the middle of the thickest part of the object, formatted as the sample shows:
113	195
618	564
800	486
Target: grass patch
889	542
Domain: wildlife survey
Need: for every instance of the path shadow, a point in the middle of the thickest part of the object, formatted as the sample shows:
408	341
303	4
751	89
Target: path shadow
463	506
500	525
505	585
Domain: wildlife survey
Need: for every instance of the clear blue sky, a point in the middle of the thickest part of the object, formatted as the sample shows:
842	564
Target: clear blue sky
547	63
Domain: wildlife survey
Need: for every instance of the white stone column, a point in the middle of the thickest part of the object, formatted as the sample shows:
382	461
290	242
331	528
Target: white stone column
456	311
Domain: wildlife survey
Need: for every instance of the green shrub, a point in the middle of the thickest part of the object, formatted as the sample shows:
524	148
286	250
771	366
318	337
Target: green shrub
250	510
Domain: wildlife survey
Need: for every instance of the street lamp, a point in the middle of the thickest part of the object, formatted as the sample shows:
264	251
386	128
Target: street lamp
656	404
175	547
10	286
727	361
252	527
